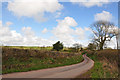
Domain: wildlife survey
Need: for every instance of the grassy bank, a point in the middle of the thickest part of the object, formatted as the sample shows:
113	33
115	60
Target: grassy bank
20	59
29	47
106	64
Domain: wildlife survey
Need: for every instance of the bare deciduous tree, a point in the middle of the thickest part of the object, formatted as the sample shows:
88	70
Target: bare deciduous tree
115	31
92	46
77	46
102	32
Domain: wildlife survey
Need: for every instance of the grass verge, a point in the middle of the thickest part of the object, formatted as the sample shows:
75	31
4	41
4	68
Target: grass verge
21	60
105	65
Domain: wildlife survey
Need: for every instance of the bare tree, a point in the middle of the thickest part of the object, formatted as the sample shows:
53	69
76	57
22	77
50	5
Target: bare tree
115	31
77	46
101	30
92	46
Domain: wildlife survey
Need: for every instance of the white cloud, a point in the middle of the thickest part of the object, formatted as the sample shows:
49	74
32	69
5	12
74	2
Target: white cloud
11	37
90	3
105	16
34	8
8	23
64	31
27	31
8	36
62	0
68	21
44	30
114	30
112	43
80	33
58	14
87	29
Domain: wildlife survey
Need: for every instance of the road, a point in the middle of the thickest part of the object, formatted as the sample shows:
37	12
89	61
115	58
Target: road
70	71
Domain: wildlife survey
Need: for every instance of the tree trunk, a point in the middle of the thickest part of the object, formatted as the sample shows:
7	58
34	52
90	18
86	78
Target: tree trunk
101	45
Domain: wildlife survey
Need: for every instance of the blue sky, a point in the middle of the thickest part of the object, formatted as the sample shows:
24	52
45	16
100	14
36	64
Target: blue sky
82	15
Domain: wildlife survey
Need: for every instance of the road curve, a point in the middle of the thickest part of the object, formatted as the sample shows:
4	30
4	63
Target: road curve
70	71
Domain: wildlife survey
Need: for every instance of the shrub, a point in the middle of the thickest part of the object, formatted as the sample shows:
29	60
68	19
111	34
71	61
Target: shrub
58	46
92	46
15	59
84	52
77	46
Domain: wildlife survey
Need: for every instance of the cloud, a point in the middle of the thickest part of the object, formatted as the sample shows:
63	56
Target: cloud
58	14
80	33
34	8
27	31
28	38
87	29
64	31
8	36
44	30
105	16
112	43
90	3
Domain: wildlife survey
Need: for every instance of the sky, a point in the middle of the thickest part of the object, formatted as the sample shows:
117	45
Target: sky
30	23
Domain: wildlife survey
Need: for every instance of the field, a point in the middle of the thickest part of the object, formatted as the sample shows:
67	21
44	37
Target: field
106	64
19	59
29	47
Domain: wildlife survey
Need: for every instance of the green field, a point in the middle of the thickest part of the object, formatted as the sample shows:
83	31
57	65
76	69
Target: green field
30	47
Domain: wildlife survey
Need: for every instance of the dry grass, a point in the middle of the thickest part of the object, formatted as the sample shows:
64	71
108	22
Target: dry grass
109	58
